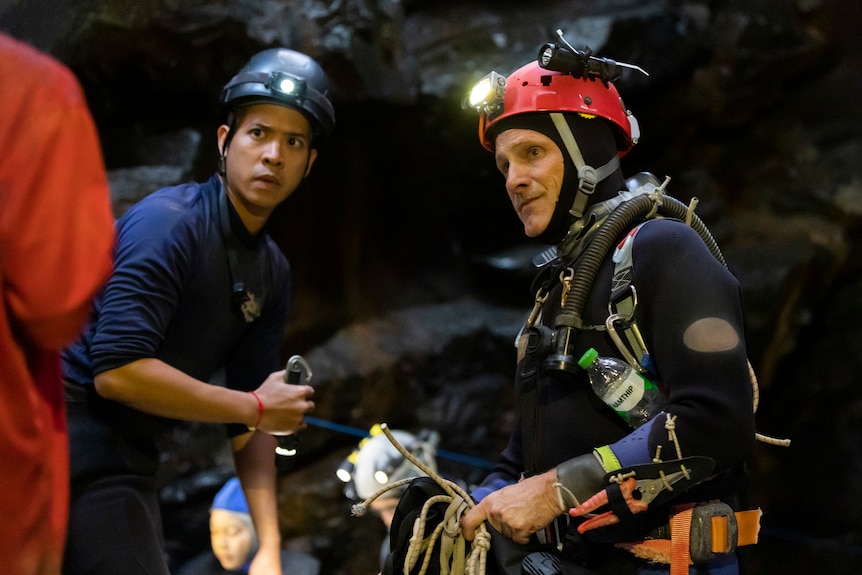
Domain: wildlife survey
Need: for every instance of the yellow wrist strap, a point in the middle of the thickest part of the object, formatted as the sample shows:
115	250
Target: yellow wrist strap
607	458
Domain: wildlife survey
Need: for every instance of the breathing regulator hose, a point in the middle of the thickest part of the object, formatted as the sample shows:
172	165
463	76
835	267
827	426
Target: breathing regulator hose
618	222
644	206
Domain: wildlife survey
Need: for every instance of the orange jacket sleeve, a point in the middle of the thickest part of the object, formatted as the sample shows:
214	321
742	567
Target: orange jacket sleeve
56	225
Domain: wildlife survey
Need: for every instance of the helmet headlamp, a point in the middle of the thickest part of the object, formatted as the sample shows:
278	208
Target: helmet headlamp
486	97
278	84
288	85
345	470
381	477
547	53
567	59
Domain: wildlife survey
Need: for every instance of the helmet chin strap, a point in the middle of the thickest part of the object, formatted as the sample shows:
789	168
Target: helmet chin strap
588	176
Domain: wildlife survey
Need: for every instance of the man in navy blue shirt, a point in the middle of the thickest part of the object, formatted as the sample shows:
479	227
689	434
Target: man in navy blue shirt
198	288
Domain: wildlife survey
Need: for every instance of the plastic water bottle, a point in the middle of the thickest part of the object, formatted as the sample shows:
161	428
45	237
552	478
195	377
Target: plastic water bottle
635	398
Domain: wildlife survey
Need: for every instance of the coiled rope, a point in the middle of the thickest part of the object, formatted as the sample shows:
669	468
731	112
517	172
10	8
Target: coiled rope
756	400
454	557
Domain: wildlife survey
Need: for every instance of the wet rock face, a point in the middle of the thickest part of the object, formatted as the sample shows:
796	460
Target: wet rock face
404	303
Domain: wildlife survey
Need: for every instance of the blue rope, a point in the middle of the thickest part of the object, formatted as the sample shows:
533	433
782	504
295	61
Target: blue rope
362	433
336	426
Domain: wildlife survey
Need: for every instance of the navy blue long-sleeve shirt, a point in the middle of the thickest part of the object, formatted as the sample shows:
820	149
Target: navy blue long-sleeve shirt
170	294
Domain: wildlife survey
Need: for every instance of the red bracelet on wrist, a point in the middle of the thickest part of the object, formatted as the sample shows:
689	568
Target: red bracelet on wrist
259	411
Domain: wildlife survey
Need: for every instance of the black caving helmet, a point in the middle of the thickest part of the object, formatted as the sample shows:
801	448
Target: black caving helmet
287	78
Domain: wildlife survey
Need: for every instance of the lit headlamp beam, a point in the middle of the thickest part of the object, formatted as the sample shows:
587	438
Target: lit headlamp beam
288	85
480	93
487	94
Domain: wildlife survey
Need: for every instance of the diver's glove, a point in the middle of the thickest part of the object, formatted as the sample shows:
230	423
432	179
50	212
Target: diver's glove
578	479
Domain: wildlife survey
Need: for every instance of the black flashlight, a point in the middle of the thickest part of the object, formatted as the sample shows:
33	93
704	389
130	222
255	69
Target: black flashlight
567	59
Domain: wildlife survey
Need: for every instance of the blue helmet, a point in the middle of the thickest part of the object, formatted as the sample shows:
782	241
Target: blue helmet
231	498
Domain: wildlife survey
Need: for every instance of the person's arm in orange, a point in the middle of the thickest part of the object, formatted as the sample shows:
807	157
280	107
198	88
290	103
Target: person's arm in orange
58	233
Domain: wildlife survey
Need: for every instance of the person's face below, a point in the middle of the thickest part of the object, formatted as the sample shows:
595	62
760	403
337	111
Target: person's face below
267	158
230	537
533	167
384	508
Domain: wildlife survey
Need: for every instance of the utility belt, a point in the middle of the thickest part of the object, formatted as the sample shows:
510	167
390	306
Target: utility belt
696	533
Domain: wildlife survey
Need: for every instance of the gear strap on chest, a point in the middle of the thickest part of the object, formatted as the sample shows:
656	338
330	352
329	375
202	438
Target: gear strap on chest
557	345
621	324
643	205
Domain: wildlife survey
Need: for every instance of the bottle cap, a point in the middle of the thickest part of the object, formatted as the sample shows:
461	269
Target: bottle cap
588	358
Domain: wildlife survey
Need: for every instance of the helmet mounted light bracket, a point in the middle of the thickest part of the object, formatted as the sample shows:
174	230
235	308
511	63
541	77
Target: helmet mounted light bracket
283	83
581	63
487	95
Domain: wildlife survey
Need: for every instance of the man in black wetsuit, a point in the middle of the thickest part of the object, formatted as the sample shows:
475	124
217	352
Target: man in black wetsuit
557	137
198	288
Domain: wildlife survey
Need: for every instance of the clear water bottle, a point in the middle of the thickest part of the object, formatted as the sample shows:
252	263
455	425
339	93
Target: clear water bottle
635	398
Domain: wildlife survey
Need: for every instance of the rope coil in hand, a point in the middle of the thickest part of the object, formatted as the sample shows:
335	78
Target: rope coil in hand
454	557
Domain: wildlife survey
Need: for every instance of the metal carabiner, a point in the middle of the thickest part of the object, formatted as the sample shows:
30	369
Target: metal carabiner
292	374
534	314
566	277
612	331
627	320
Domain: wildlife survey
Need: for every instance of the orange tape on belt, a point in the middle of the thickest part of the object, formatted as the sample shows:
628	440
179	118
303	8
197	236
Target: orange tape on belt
677	548
680	533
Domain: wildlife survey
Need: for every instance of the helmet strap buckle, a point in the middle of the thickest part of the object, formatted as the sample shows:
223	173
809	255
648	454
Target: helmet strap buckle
587	181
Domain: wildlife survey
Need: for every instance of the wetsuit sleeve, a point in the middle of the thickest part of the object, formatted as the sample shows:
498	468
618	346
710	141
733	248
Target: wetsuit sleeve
155	253
691	316
507	469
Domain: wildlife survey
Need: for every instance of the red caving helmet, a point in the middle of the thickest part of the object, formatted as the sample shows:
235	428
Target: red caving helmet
532	89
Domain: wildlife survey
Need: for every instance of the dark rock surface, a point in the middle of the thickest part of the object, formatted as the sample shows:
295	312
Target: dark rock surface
404	306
